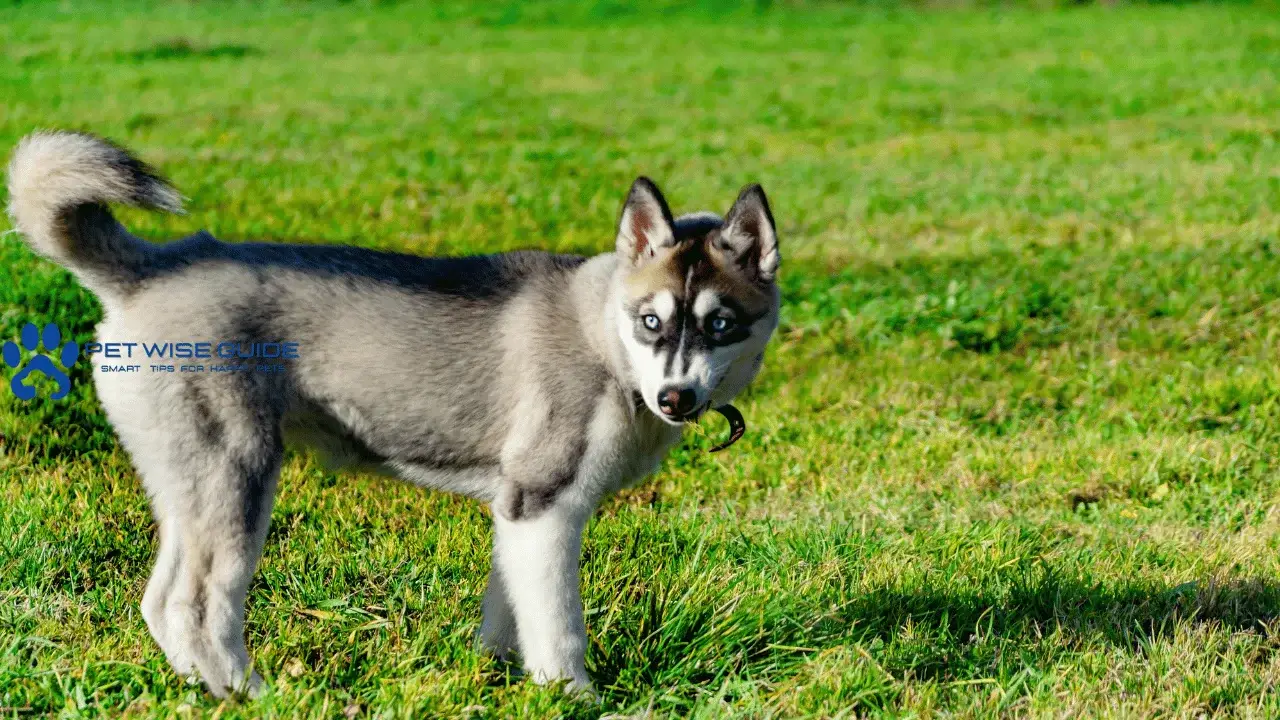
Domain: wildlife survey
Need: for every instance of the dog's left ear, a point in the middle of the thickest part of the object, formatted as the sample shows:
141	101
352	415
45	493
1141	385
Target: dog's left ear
749	237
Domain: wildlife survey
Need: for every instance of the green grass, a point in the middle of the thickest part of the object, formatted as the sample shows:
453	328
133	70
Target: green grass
1014	451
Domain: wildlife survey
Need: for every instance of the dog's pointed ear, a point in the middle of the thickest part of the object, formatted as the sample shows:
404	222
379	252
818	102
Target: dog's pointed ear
646	225
749	237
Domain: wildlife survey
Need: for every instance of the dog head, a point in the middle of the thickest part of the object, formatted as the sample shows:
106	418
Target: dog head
698	299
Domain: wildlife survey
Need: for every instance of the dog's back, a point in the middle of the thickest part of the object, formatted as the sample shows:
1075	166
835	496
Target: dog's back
401	356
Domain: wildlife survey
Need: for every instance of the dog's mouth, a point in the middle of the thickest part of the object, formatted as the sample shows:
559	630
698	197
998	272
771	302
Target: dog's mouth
693	415
737	424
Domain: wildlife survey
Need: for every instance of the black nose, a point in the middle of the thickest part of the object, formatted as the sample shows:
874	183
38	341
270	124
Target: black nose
675	402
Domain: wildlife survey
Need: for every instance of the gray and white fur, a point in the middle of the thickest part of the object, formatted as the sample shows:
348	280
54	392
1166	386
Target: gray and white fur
536	383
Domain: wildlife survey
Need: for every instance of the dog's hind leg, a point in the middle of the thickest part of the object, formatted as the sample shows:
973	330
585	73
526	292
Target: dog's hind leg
211	473
155	601
220	538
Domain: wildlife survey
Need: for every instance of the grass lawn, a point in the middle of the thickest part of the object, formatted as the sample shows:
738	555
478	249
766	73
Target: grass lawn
1014	451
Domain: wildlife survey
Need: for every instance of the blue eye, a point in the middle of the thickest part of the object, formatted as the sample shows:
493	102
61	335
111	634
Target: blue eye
719	325
652	322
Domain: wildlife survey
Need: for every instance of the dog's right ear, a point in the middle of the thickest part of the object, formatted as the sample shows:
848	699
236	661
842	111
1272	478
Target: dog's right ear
646	225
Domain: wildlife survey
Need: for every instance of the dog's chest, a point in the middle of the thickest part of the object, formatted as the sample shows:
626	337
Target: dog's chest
637	446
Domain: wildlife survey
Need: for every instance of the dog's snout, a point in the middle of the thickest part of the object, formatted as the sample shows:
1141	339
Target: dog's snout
675	402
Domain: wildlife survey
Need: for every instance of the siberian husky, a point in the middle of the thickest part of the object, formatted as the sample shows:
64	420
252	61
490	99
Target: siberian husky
533	382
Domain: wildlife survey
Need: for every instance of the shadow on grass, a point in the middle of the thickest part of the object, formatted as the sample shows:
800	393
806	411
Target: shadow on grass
930	635
1129	617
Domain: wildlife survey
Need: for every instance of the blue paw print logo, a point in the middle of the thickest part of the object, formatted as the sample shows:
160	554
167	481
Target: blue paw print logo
31	339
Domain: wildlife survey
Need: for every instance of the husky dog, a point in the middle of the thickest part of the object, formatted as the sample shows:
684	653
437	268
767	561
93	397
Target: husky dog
533	382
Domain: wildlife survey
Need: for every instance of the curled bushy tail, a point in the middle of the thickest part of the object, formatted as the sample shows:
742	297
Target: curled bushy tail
59	187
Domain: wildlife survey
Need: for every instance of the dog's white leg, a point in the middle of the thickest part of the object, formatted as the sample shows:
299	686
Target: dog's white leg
155	601
538	560
201	616
498	629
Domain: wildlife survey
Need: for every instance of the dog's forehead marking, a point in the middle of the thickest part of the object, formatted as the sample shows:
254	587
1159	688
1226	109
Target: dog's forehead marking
664	304
692	268
706	303
729	283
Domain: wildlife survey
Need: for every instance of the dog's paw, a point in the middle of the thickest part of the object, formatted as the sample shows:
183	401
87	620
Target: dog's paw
578	686
247	687
254	687
498	641
32	339
582	690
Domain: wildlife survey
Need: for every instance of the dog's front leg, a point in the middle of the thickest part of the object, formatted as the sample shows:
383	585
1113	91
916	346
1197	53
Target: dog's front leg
537	560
